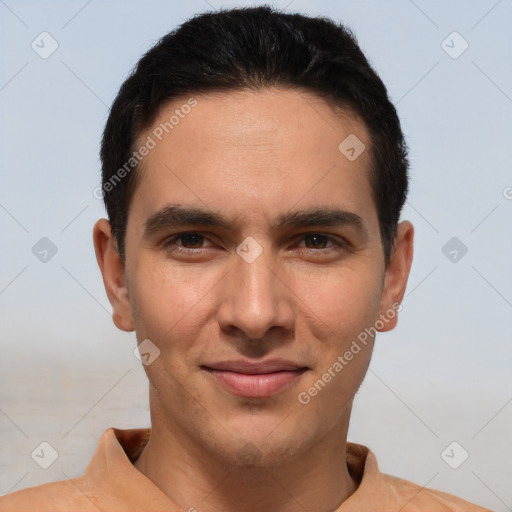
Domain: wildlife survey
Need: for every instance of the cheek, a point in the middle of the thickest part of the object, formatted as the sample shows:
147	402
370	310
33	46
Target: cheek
339	312
338	306
170	303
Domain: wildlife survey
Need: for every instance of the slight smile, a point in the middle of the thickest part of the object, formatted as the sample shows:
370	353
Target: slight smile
255	380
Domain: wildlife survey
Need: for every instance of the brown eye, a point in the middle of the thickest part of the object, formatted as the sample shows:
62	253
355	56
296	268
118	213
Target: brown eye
183	242
316	241
191	240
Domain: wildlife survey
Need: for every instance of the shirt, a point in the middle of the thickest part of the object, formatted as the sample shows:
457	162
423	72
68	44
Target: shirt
112	483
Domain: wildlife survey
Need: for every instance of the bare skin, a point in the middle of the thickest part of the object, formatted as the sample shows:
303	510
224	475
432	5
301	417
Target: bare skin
253	157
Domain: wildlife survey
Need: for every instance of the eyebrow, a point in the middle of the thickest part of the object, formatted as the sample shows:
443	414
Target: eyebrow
175	215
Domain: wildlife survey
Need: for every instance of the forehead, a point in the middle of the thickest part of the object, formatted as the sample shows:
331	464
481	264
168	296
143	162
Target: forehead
265	151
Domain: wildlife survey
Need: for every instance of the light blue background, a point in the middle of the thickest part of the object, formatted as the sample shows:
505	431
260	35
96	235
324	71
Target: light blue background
444	374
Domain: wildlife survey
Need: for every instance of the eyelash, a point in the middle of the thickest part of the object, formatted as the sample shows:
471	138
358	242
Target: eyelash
336	242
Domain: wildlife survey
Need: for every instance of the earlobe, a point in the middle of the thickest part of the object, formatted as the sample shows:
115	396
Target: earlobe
397	274
113	273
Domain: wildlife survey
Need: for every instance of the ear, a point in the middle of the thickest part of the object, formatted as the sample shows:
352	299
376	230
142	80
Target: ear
113	272
397	273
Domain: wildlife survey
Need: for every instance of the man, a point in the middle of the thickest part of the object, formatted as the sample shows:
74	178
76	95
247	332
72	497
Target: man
254	172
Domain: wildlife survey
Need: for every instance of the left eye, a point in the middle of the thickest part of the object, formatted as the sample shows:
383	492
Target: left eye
189	240
317	241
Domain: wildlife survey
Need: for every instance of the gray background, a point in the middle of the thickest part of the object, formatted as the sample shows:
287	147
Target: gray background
444	375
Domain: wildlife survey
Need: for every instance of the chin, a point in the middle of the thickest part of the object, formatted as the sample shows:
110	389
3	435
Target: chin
259	442
258	453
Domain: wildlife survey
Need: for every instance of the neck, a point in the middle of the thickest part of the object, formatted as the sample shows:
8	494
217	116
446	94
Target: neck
198	480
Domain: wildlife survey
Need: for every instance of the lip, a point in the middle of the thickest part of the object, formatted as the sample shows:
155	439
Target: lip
255	380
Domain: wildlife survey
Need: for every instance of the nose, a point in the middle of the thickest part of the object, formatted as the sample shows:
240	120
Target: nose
255	299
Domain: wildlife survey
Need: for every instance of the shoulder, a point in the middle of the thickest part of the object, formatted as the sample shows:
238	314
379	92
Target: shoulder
64	495
389	493
415	498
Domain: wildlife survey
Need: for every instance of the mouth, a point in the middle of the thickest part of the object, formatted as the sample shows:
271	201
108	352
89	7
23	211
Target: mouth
255	380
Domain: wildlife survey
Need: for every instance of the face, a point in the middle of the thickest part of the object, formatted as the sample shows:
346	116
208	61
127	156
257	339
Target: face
254	264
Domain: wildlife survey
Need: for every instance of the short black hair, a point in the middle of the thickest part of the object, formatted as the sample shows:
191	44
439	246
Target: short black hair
253	48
